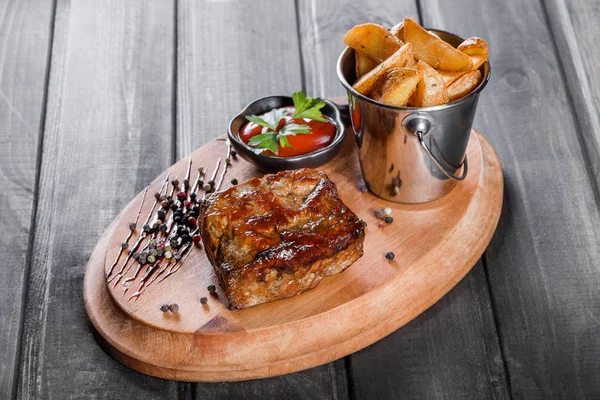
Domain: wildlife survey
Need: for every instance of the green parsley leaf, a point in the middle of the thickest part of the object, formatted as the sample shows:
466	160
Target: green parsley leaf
294	129
307	107
283	141
258	139
270	119
259	121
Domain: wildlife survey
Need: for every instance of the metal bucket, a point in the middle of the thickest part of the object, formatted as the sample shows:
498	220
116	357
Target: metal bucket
411	154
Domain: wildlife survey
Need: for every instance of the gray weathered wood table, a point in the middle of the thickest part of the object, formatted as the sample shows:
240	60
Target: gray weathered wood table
98	97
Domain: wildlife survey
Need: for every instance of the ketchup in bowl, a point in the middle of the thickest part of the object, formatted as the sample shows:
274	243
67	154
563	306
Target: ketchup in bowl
290	131
322	134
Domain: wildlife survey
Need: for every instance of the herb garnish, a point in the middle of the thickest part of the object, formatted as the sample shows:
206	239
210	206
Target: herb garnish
273	135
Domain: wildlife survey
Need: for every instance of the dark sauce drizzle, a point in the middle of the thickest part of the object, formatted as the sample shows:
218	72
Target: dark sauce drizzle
163	244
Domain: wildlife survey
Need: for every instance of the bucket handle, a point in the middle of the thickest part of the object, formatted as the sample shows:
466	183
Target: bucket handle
420	124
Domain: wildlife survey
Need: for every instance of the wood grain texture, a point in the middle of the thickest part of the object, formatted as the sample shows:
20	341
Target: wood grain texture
24	45
541	263
229	54
460	322
575	29
108	132
344	313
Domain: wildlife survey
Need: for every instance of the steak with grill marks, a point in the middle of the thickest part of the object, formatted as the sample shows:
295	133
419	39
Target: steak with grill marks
276	237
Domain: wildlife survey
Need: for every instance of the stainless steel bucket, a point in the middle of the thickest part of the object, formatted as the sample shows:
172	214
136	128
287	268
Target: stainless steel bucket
409	154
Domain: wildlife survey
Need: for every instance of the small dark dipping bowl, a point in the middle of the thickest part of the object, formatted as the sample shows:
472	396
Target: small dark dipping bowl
275	164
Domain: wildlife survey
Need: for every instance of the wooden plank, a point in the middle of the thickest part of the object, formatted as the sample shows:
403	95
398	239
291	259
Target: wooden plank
228	55
575	30
541	264
451	351
108	133
25	29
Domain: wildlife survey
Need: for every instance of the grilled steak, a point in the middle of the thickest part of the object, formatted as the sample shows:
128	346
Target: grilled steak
276	237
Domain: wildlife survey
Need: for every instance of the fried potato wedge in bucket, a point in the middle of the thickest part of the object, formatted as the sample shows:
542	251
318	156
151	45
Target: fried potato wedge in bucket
398	31
474	46
367	83
449	77
464	85
372	40
433	50
363	63
399	85
431	90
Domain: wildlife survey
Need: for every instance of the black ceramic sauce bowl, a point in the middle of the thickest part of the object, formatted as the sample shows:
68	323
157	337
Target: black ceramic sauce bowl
274	164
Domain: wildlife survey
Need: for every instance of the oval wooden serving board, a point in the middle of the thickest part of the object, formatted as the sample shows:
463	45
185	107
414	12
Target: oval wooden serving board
435	245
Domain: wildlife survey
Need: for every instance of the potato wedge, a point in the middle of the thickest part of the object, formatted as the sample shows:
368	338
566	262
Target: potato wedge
363	63
450	77
372	40
474	46
368	82
431	90
464	85
399	85
433	50
398	31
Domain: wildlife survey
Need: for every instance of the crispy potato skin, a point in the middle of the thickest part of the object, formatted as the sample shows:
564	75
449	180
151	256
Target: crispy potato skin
474	46
368	82
450	77
372	40
398	87
440	66
433	50
464	85
363	63
431	90
398	31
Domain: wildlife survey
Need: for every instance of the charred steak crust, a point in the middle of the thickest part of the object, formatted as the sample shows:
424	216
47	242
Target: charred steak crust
276	237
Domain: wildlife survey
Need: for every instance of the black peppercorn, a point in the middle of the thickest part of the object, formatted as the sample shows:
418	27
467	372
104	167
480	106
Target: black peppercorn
192	196
175	182
174	242
211	288
174	207
186	183
160	252
163	228
146	228
390	255
388	220
157	195
161	215
365	224
132	226
211	183
174	307
234	181
203	300
124	246
233	153
230	307
169	198
185	238
177	219
165	308
200	183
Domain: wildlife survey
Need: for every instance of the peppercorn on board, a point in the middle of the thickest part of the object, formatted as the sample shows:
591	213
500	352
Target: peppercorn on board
181	328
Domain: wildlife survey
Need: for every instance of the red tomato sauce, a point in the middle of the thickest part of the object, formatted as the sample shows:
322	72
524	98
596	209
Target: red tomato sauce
322	135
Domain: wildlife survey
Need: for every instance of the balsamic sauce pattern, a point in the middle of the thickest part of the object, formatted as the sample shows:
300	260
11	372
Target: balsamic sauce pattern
169	232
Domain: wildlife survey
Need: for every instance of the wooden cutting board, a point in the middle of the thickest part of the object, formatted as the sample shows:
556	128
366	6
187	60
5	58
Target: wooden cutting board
435	245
